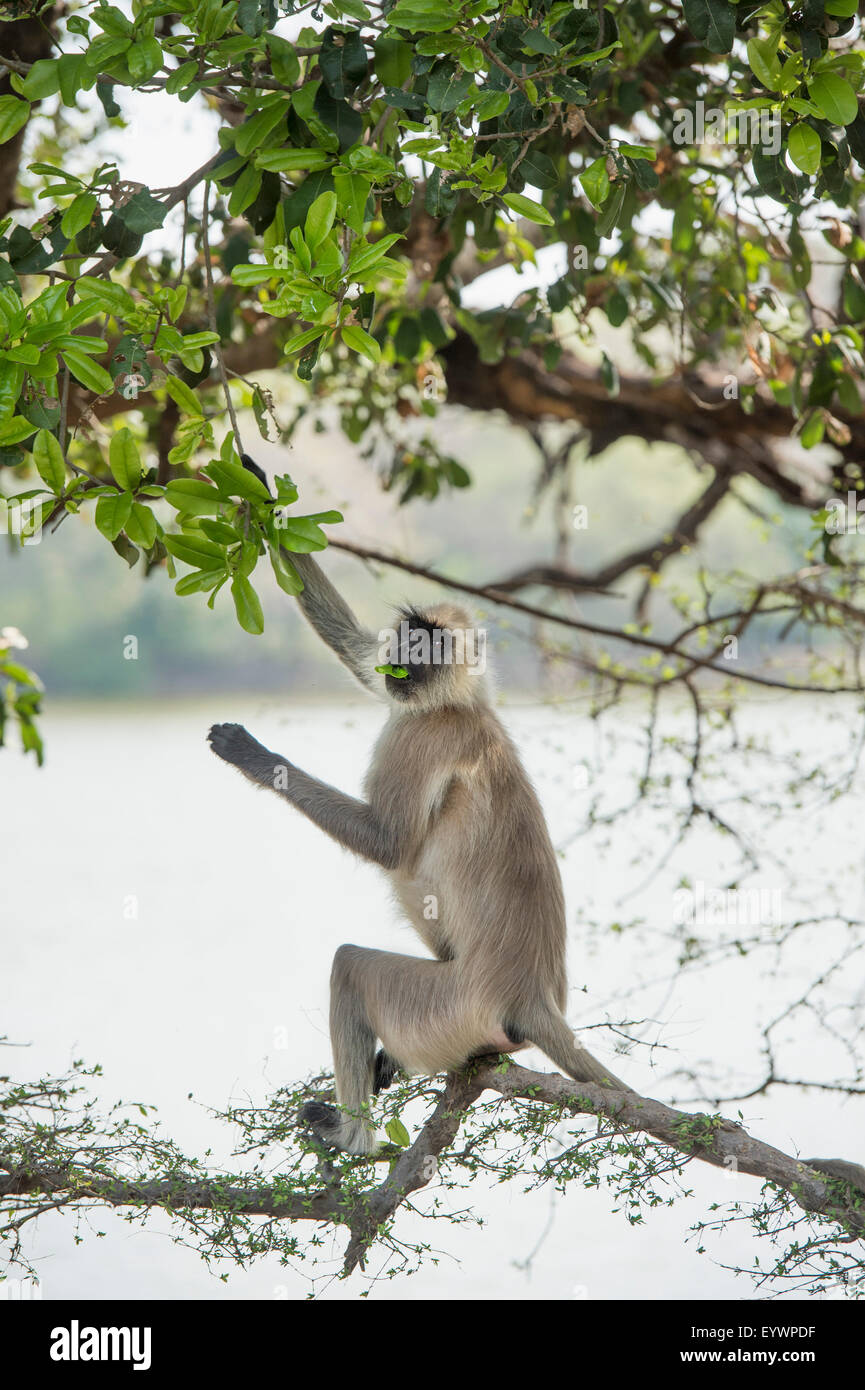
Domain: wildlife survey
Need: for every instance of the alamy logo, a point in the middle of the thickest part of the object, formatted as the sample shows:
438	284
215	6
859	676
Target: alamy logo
845	516
76	1343
704	906
716	125
443	646
22	517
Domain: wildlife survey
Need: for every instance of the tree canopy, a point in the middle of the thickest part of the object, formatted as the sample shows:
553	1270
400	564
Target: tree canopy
365	173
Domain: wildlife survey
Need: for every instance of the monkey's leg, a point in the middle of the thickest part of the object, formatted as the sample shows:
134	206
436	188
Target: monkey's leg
413	1006
353	1042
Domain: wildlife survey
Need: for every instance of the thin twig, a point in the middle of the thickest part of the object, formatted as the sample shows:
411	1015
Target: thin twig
211	314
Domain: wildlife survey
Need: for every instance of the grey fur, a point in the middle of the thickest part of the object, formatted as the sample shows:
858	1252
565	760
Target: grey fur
452	816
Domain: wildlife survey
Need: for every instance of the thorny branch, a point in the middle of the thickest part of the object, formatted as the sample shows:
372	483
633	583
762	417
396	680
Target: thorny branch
53	1159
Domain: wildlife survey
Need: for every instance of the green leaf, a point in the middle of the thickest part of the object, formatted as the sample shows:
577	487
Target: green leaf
433	16
183	396
104	48
712	21
363	257
300	533
319	219
611	211
303	340
141	526
539	170
805	146
200	581
813	430
492	104
281	161
199	340
181	77
11	380
352	191
90	374
79	214
24	352
112	514
448	85
397	1133
236	481
848	394
43	80
338	116
595	182
598	55
145	58
193	496
284	62
75	76
124	460
835	98
245	191
143	213
247	606
536	41
286	575
393	60
113	20
764	62
343	61
525	207
50	464
616	308
14	430
254	131
14	113
195	550
360	341
219	531
105	295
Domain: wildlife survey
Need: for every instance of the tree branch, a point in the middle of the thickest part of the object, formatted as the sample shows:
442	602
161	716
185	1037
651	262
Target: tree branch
638	639
650	557
835	1193
656	411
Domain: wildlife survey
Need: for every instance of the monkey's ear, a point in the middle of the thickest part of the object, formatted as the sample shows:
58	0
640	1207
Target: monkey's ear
252	466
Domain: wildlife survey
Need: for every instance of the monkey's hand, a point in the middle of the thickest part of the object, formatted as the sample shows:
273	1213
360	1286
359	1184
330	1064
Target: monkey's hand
234	745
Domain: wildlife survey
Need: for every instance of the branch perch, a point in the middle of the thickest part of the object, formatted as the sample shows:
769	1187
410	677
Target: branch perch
837	1193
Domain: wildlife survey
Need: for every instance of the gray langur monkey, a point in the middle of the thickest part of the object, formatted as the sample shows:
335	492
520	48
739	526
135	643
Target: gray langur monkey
451	816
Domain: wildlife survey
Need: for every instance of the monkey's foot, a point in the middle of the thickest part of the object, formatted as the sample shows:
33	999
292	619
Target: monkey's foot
325	1121
337	1131
385	1071
232	743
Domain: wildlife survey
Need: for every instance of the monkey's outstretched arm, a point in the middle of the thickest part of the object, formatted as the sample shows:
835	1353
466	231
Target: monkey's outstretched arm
330	615
350	822
336	625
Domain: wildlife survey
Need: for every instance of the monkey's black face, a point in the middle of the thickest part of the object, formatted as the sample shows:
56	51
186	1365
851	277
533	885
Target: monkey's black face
419	643
412	685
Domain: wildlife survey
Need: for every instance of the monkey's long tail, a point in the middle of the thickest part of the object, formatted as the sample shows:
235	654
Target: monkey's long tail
552	1035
